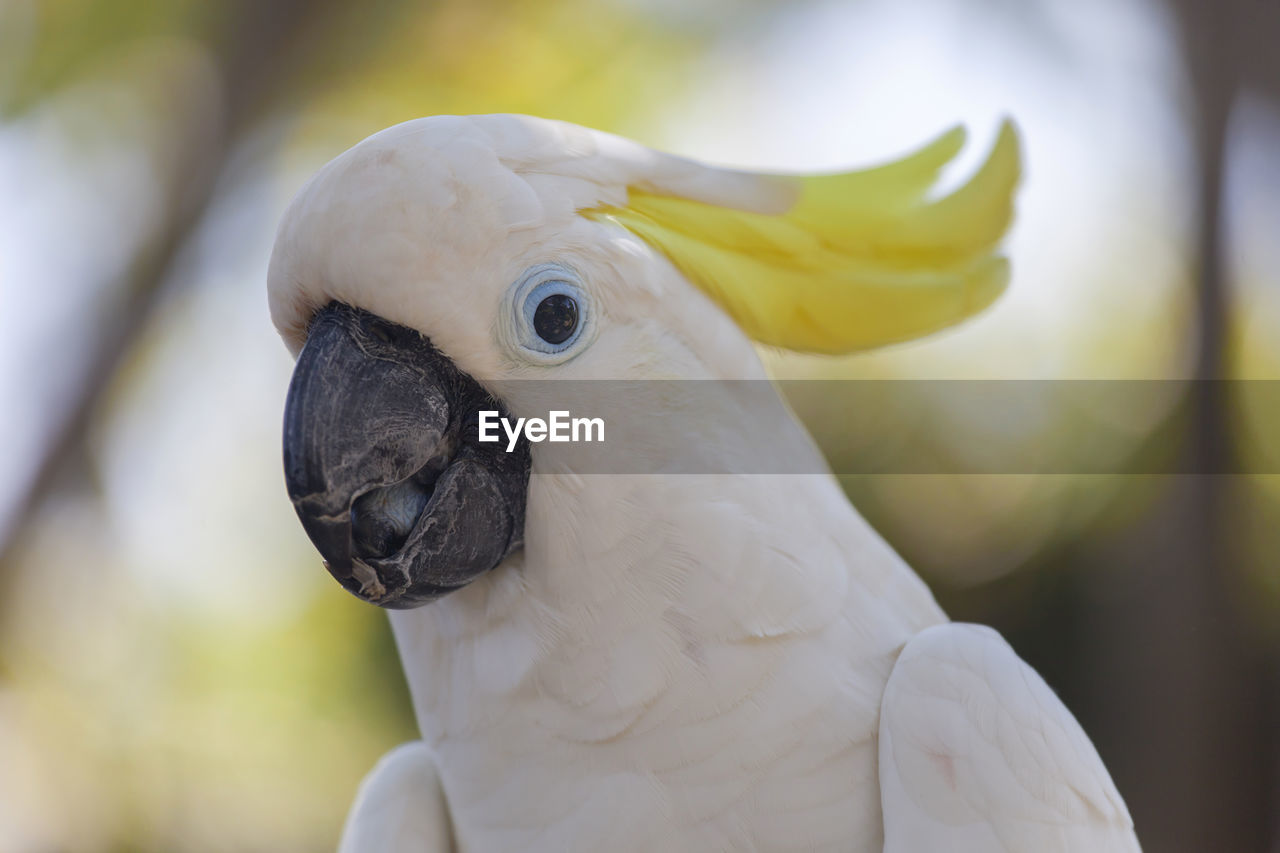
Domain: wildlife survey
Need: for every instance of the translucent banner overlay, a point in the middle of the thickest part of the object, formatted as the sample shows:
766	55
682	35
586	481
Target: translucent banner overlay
867	427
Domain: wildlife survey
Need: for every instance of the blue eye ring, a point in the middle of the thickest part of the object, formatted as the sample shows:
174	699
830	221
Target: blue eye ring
565	298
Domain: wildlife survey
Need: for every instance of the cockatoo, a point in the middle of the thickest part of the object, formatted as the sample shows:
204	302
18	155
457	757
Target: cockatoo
664	659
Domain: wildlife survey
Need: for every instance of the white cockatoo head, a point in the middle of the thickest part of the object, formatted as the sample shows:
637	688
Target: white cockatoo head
425	273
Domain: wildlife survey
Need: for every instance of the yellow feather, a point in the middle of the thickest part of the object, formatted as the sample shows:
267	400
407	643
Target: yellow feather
861	260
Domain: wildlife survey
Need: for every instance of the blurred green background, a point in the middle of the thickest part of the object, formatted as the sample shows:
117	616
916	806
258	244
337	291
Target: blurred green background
177	672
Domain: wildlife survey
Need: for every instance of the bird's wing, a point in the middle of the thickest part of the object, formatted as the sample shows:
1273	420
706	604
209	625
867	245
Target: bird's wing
400	807
978	754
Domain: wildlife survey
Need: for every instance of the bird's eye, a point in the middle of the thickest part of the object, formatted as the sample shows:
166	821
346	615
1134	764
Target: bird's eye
551	314
556	318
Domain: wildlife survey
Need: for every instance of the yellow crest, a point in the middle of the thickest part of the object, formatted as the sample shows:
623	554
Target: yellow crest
861	259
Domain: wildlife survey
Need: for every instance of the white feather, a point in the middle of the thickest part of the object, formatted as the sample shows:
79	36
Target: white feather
977	754
400	807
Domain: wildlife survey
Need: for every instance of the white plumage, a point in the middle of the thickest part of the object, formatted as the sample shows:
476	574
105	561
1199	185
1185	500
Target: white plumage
977	753
674	661
400	806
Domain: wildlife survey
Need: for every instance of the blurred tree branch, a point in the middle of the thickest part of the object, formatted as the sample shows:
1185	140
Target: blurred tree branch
1195	745
261	49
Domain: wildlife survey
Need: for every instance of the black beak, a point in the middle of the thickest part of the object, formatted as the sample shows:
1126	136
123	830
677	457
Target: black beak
384	467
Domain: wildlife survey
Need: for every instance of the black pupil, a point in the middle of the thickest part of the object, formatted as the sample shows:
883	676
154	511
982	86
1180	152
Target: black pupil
555	318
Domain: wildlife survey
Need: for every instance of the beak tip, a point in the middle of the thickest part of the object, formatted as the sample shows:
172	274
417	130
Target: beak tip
340	569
